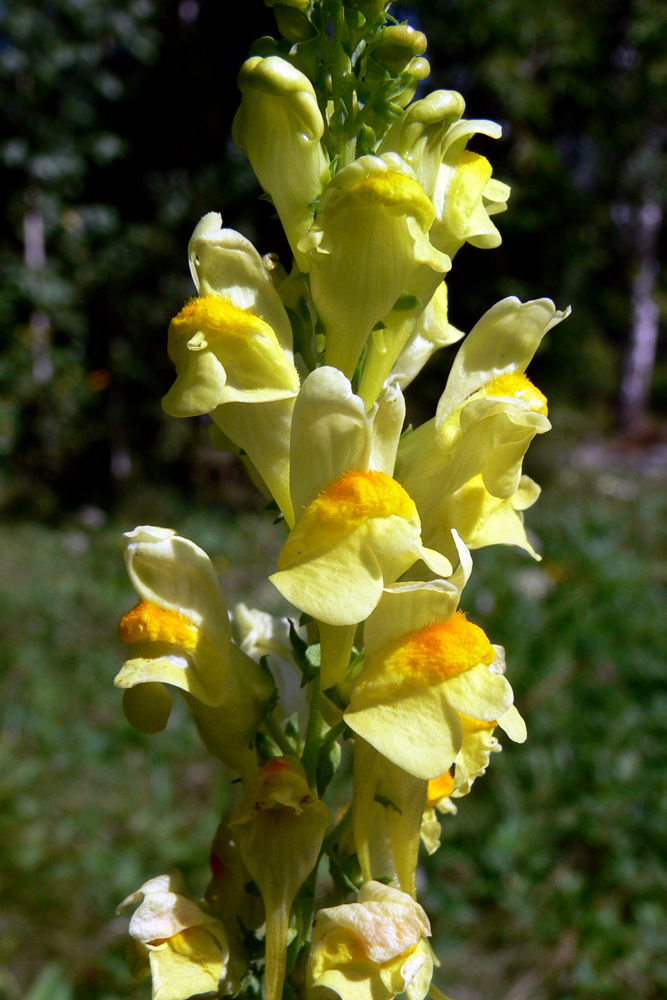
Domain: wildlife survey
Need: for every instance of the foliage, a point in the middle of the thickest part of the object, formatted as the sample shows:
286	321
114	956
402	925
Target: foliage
101	134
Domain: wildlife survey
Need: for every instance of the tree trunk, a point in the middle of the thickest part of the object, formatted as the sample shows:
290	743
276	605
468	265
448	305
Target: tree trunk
640	355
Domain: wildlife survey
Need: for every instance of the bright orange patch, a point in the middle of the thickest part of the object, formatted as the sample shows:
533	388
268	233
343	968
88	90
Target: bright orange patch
356	496
343	505
518	386
148	622
438	652
439	788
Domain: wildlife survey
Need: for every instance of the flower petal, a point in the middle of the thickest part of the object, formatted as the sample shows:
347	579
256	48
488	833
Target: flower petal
420	731
479	693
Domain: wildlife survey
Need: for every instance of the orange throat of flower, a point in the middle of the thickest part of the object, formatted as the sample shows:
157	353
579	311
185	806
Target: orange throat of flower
148	622
437	652
343	506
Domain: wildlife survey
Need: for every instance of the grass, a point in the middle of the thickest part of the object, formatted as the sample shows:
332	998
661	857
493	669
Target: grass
550	883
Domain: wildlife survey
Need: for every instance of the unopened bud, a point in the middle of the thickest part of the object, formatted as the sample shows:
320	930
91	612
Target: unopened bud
399	44
418	68
280	825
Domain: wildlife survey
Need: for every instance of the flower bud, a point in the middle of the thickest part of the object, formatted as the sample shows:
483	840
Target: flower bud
293	22
369	8
399	44
418	69
279	126
368	245
280	824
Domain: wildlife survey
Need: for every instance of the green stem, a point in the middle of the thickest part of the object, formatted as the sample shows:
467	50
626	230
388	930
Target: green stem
334	734
274	730
337	71
436	994
336	835
303	908
334	863
313	735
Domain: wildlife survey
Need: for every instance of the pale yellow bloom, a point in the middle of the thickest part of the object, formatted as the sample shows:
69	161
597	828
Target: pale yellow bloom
372	949
232	349
180	636
471	762
280	824
432	137
234	342
361	533
357	531
368	246
486	418
425	666
279	127
185	949
481	518
333	432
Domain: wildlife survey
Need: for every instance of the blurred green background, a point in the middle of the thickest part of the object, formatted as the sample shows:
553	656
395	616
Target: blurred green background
550	883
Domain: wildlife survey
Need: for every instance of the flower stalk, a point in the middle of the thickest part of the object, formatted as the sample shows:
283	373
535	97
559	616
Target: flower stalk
378	693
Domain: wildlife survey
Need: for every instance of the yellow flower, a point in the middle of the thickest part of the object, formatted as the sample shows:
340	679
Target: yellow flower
432	137
234	342
425	664
358	530
361	533
481	518
180	635
183	947
279	127
279	823
372	949
486	418
367	247
232	349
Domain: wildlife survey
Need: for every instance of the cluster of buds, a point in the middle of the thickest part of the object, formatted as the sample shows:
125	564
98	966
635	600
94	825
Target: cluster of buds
302	374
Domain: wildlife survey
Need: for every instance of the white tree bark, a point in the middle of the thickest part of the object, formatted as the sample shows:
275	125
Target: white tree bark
640	357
